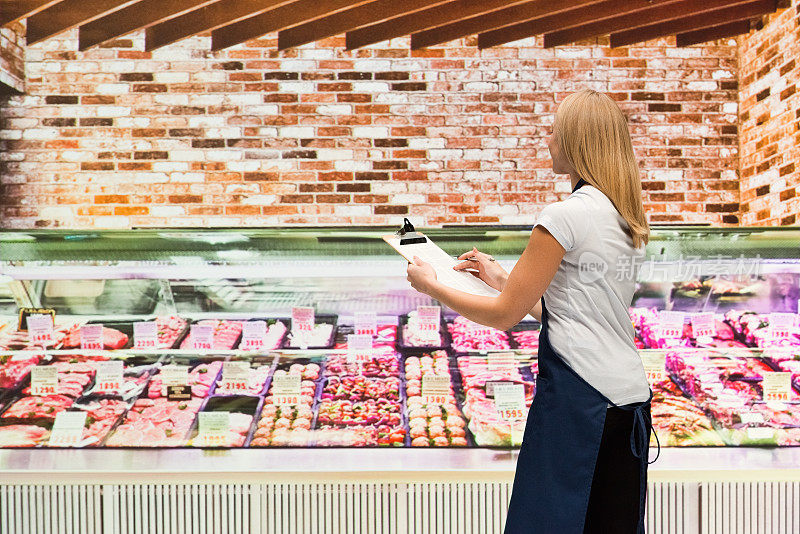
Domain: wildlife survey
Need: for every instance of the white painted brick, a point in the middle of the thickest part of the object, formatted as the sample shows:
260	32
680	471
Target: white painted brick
370	87
207	99
426	142
261	109
371	131
40	133
223	133
722	74
246	165
201	121
446	153
666	174
502	209
244	99
351	166
81	66
133	122
328	154
730	107
701	85
297	87
335	109
298	65
186	155
350	210
371	65
481	154
170	77
430	166
113	111
407	198
150	177
55	212
488	176
117	66
260	200
224	155
385	188
166	211
111	221
172	99
11	134
208	76
268	132
480	87
296	132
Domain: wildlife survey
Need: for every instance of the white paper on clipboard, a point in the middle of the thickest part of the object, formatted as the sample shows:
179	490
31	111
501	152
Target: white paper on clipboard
443	264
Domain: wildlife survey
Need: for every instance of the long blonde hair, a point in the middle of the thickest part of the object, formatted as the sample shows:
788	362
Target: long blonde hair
593	135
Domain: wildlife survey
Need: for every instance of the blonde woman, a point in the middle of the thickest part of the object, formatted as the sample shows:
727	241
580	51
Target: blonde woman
583	462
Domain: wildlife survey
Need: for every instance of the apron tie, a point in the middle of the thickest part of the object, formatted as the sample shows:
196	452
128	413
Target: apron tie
640	447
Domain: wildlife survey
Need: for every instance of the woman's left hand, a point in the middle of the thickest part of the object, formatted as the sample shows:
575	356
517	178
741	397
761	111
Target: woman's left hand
421	275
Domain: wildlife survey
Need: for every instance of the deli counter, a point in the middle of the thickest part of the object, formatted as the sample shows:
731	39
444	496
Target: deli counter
302	355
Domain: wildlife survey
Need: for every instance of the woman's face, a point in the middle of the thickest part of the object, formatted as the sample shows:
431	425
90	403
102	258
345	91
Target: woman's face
560	163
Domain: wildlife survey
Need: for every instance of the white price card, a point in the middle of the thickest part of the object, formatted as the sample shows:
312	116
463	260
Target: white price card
145	335
202	336
235	376
749	418
365	323
303	319
175	375
359	348
780	326
108	376
670	326
760	433
254	335
286	390
478	330
44	380
654	366
92	337
703	327
67	429
435	389
501	361
213	428
509	401
40	329
776	386
429	318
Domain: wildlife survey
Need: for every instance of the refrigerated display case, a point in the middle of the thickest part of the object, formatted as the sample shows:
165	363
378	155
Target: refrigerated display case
715	315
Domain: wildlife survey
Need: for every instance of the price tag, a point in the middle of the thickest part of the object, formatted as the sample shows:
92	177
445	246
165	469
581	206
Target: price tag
303	319
365	323
235	376
654	367
254	335
509	401
286	390
703	327
780	326
501	361
145	335
748	418
760	433
359	348
429	318
108	376
176	379
92	337
44	380
202	337
213	428
776	386
670	326
67	429
490	384
24	313
478	330
435	389
40	329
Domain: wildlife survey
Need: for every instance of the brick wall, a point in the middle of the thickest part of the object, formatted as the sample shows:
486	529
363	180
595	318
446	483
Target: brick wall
12	59
118	137
769	117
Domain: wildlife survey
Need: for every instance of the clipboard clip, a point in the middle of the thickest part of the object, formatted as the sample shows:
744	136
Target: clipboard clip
408	235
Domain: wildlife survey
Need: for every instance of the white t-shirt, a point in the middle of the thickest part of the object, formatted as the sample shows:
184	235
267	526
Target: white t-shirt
588	298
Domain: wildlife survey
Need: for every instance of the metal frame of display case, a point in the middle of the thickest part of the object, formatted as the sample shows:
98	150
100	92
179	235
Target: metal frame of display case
346	490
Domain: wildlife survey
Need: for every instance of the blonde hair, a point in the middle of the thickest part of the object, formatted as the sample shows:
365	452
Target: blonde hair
593	135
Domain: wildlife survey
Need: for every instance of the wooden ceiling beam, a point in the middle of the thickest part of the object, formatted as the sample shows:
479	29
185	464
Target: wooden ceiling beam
14	10
351	19
596	13
277	19
693	22
422	20
656	14
721	31
144	14
207	18
493	20
68	14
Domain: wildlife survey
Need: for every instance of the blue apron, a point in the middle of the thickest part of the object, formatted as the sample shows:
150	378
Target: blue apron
559	449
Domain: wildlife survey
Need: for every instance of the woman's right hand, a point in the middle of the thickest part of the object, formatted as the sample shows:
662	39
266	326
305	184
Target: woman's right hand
483	266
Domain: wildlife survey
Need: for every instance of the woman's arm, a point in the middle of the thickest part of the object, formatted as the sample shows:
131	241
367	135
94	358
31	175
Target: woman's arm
520	296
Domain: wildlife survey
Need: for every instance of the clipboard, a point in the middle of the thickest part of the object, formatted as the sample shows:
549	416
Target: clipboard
409	243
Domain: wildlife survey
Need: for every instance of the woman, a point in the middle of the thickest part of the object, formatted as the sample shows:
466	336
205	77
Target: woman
583	462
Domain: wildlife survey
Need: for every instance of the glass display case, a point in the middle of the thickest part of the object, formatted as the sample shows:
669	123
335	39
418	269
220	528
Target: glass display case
312	337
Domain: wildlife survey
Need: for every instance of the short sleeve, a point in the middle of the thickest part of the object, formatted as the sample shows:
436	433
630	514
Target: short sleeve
565	221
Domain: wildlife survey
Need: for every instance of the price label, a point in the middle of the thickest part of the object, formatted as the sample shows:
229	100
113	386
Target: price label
108	376
509	401
435	389
235	376
175	375
359	348
654	367
780	326
44	380
670	325
286	390
490	384
92	337
303	319
213	428
760	433
478	330
429	318
254	335
501	361
365	323
145	335
202	337
749	418
776	386
67	429
24	313
703	327
40	329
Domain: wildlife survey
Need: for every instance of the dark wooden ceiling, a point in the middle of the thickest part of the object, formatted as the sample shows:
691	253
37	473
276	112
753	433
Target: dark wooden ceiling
365	22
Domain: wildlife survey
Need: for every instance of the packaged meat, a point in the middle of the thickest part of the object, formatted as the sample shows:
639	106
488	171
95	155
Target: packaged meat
169	328
284	426
22	435
678	421
156	422
321	337
226	334
241	412
256	381
383	363
360	388
435	425
112	339
13	368
414	335
37	408
466	336
202	377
